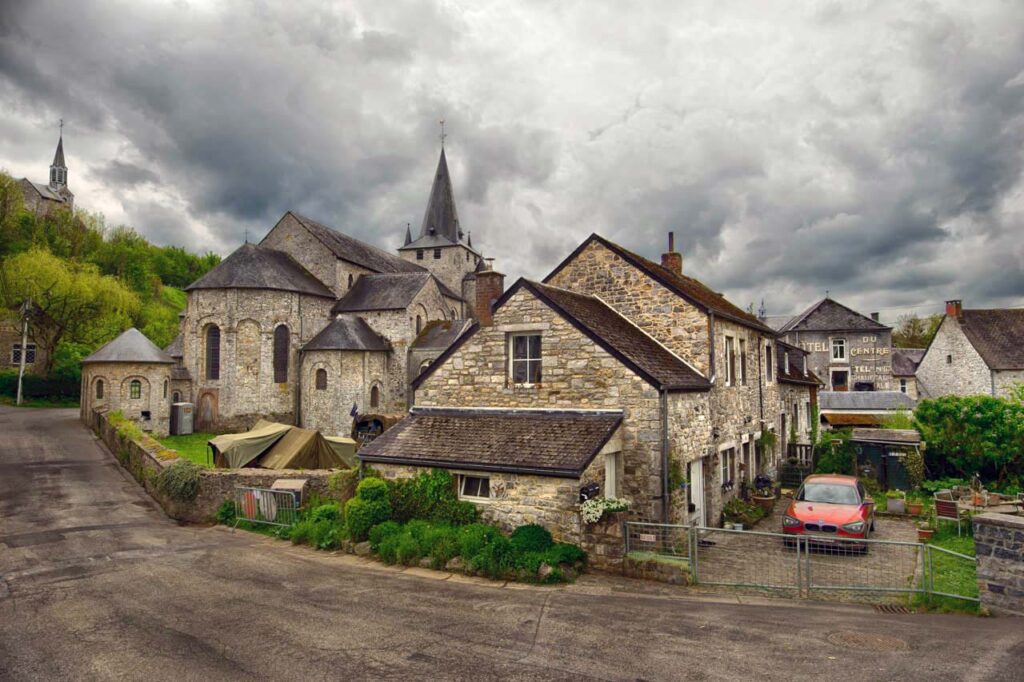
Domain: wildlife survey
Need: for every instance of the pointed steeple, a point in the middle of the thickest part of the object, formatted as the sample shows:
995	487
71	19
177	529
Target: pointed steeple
58	169
408	235
58	157
441	218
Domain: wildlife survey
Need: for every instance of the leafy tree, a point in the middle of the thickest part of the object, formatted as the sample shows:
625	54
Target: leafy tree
913	331
12	208
969	435
74	301
900	419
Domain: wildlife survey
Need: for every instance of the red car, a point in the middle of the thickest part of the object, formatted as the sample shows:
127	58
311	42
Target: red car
830	508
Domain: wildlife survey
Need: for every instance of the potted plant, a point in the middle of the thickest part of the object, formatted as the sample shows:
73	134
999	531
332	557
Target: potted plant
764	493
914	505
895	502
925	532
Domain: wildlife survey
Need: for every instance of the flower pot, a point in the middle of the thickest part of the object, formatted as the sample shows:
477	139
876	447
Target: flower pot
766	503
737	526
914	508
727	526
897	506
925	534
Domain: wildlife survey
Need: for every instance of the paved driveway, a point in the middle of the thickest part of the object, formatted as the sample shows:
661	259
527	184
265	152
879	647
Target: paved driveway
97	584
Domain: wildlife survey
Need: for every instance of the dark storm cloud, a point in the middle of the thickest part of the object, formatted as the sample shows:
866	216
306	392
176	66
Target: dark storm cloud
874	150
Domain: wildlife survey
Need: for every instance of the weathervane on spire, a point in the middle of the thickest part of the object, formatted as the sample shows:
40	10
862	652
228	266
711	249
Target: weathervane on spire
62	126
442	134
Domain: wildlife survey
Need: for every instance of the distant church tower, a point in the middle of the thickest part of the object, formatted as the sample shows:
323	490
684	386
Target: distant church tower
41	199
442	247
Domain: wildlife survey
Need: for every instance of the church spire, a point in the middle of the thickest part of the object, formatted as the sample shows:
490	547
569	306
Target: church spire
408	235
441	218
58	169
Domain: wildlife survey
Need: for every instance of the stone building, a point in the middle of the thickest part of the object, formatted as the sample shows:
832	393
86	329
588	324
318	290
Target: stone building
693	379
311	323
974	352
904	370
41	199
132	375
849	351
11	342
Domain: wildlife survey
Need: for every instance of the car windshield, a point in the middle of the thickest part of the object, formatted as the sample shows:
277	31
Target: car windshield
831	493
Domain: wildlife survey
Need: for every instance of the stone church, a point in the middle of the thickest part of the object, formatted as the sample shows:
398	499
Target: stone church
41	199
311	324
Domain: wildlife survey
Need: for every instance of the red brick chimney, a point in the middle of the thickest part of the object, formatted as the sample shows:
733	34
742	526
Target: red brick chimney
955	308
671	260
490	284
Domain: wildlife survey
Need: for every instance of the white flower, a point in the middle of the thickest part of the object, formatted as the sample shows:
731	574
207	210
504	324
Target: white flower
593	510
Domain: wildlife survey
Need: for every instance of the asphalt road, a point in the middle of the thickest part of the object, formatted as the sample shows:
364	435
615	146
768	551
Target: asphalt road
96	583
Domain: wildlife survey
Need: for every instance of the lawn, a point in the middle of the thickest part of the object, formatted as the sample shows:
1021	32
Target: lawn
40	402
191	447
953	574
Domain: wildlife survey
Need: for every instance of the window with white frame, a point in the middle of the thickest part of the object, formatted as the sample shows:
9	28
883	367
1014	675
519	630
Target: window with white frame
474	487
903	385
30	354
743	362
525	355
730	361
728	462
611	475
838	349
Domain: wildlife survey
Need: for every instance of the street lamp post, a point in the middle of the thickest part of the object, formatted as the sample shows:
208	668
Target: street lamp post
25	309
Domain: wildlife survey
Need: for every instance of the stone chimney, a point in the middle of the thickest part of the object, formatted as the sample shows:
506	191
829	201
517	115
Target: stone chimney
671	260
874	316
490	284
955	308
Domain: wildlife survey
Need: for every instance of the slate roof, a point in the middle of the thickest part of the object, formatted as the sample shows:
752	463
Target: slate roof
828	315
58	157
906	360
997	335
176	348
693	290
354	251
541	442
43	190
776	322
898	436
865	400
440	221
797	362
131	346
347	332
180	373
620	337
440	334
853	419
257	267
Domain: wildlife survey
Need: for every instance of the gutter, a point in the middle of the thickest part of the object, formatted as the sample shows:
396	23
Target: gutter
298	389
442	464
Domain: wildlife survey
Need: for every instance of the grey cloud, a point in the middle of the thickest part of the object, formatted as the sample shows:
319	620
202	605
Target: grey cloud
118	173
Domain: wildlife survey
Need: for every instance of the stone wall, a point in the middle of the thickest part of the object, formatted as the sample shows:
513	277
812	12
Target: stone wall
290	236
868	356
965	374
145	459
605	542
601	272
576	374
351	375
10	334
999	544
116	378
454	263
1004	381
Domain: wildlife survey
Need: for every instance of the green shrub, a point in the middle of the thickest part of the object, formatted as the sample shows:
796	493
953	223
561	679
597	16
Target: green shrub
474	537
372	490
343	484
496	559
738	511
381	531
326	512
226	512
441	544
408	550
302	531
555	576
565	553
388	549
430	496
328	535
835	454
361	515
531	538
180	480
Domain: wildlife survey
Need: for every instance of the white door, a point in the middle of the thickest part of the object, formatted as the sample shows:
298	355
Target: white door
696	475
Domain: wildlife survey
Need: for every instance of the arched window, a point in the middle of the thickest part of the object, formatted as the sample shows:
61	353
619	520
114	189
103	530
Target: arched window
176	397
165	389
99	389
213	352
374	397
350	281
281	354
455	315
424	365
135	389
419	324
321	379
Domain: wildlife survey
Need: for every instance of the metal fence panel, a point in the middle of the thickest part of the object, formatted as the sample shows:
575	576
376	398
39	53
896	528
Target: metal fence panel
853	568
743	558
261	505
660	539
945	571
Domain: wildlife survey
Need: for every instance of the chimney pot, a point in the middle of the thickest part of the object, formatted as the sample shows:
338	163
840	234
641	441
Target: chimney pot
874	316
490	284
671	260
955	309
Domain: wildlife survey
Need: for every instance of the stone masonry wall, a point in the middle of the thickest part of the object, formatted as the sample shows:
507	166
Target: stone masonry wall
292	238
967	374
455	262
999	545
10	334
155	396
868	356
576	374
350	377
518	499
678	325
1005	380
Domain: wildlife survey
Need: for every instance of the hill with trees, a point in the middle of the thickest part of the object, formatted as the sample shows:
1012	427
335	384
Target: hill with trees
88	282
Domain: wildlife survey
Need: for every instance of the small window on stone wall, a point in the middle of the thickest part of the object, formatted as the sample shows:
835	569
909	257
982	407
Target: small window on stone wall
474	487
375	397
321	379
135	389
99	390
176	397
165	388
281	340
350	281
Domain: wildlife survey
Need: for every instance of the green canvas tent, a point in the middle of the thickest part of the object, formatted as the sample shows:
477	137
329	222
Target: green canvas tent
279	446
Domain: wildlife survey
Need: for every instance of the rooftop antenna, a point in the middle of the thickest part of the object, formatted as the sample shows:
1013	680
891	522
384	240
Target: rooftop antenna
442	134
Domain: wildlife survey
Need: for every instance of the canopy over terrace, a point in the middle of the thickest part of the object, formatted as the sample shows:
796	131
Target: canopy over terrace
279	446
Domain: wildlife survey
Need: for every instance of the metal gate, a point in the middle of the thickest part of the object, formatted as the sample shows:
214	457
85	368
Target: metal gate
806	567
261	505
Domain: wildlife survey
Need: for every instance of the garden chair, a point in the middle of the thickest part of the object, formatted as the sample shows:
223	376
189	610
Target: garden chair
947	510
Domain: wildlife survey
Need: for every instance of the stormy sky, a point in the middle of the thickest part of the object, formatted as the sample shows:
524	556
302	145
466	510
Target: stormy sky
872	149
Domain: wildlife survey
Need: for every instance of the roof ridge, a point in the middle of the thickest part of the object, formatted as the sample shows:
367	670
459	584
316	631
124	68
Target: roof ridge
313	225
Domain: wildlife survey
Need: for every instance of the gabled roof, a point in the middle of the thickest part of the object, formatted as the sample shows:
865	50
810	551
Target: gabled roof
688	288
43	190
997	335
176	348
827	315
347	332
391	291
906	360
440	334
257	267
440	220
557	443
797	364
354	251
886	436
865	400
131	346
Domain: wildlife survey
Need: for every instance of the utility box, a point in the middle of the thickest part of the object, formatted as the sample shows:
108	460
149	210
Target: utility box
182	417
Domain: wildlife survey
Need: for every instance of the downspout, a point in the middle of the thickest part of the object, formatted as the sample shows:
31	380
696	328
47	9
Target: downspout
665	492
760	384
298	390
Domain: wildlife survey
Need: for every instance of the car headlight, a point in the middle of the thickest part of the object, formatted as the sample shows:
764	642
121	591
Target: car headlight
790	522
855	527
